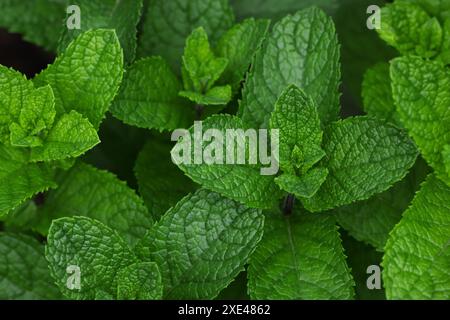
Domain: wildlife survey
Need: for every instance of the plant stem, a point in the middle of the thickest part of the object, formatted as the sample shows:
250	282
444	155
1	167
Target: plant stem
288	204
198	111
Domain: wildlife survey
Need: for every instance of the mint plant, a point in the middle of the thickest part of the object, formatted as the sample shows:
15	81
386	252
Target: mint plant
249	180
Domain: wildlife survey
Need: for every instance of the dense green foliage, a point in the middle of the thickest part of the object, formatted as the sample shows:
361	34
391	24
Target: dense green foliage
93	204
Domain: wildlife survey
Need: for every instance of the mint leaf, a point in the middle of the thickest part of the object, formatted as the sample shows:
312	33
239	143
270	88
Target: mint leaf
14	87
98	251
303	50
417	252
161	183
201	68
238	45
296	117
149	97
377	94
167	24
359	257
275	9
241	182
364	157
215	96
71	136
36	115
20	180
372	220
39	21
408	28
140	281
86	77
123	16
304	186
87	191
420	91
299	257
24	273
202	244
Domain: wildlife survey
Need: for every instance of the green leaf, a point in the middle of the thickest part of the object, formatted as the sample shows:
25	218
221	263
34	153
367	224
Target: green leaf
86	77
37	115
409	29
299	257
87	191
14	88
241	182
167	24
439	8
364	157
420	90
202	244
446	156
38	21
71	136
372	220
149	97
417	259
161	183
275	9
20	180
24	273
238	45
296	117
21	218
359	257
303	50
215	96
377	94
123	16
98	251
304	186
201	68
140	281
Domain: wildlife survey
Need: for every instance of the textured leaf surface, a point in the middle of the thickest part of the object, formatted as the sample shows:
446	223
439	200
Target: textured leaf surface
14	87
241	182
299	257
161	183
71	136
304	186
296	117
201	68
167	24
417	259
215	96
364	157
123	16
202	244
408	28
87	191
24	274
39	21
86	77
238	45
302	50
275	9
377	94
140	281
421	95
98	251
372	220
149	97
36	118
20	180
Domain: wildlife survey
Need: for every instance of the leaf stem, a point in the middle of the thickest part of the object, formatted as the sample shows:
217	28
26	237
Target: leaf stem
198	111
288	204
